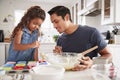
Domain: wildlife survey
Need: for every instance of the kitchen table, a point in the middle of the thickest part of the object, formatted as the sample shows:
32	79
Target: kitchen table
88	74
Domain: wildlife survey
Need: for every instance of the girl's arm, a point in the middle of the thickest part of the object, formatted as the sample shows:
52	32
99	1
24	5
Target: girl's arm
19	46
36	54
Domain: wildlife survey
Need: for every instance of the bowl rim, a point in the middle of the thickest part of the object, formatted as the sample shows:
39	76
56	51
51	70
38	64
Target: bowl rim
59	68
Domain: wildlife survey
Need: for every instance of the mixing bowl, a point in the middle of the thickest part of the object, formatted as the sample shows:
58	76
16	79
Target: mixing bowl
47	72
66	60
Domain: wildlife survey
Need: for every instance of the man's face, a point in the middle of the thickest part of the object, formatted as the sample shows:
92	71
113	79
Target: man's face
58	22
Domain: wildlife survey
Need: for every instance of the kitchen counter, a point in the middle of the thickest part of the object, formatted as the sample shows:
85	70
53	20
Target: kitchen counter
3	52
115	51
4	47
4	43
68	75
48	48
113	45
89	74
84	75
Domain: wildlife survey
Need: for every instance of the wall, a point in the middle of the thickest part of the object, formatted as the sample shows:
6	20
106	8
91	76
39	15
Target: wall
95	21
7	7
12	5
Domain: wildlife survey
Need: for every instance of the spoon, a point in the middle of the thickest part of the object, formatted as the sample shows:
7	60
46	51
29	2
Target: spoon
87	51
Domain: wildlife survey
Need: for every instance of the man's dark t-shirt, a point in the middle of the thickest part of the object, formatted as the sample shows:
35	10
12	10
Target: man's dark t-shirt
82	39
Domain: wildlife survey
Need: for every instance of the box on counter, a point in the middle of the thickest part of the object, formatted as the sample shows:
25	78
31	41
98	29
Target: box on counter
42	62
20	65
24	66
8	66
31	64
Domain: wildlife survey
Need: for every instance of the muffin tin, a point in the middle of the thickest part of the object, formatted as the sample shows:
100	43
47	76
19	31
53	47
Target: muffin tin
21	66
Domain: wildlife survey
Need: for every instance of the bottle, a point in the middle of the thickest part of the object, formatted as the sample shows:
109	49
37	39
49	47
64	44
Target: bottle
108	36
112	72
117	37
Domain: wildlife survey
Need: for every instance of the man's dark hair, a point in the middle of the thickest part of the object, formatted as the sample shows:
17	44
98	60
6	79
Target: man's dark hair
60	11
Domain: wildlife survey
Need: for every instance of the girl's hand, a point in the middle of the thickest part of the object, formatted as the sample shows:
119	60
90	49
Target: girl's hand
86	63
57	50
35	44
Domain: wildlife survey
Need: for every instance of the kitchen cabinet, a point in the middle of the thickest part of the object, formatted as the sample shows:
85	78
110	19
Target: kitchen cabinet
110	12
2	54
82	4
90	2
4	48
90	13
75	9
90	7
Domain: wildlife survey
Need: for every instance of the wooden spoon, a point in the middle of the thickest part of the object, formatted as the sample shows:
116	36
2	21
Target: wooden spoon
87	51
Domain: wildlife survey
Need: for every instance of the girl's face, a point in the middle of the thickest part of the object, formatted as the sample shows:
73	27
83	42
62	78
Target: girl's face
35	24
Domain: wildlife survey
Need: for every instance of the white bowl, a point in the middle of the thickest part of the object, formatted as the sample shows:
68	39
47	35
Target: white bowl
47	72
66	60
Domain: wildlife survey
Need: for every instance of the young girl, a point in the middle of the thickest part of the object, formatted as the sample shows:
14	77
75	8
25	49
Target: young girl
24	44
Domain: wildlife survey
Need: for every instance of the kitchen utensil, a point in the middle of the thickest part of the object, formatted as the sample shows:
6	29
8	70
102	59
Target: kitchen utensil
87	51
39	39
47	72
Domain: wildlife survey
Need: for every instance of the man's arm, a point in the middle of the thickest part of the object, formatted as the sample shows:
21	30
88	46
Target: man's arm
104	57
36	54
106	54
57	49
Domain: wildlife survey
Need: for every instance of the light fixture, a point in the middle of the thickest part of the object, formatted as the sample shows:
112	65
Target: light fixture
5	20
8	18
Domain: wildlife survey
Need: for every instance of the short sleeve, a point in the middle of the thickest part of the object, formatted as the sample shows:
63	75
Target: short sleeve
59	41
97	39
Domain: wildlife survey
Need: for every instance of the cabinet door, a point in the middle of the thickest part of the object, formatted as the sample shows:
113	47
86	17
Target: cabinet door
117	9
2	54
108	12
90	2
6	50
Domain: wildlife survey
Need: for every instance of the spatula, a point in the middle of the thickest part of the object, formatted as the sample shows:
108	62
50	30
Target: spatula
87	51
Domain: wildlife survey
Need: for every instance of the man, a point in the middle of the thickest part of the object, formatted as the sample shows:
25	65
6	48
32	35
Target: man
77	38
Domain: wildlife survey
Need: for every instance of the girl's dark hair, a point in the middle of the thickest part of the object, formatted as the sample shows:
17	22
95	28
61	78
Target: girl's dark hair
60	11
32	12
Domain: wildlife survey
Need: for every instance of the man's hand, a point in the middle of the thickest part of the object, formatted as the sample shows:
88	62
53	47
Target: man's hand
57	50
86	63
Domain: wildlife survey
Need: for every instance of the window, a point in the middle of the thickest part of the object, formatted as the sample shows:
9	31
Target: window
47	28
18	16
